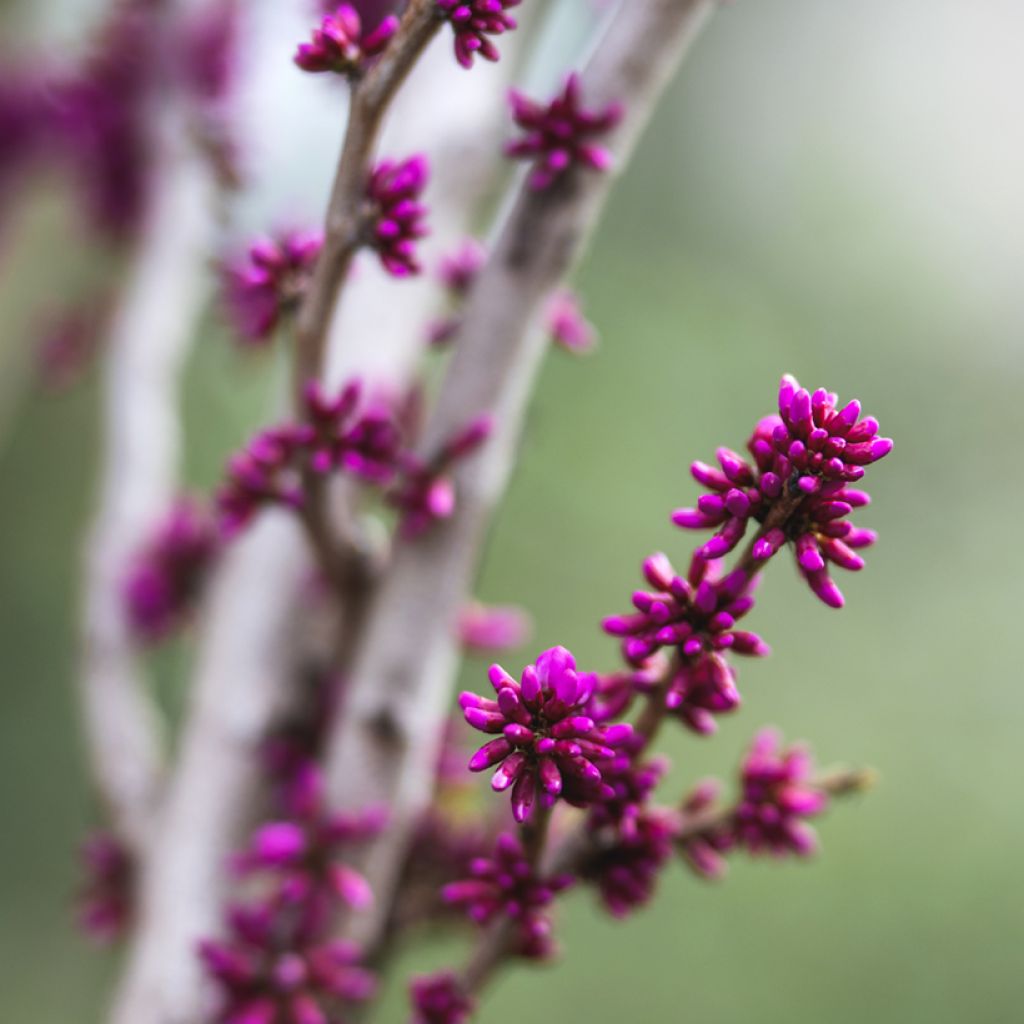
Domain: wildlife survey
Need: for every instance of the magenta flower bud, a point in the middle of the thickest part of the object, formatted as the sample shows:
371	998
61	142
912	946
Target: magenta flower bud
473	21
506	885
268	283
399	220
558	137
341	45
567	325
554	745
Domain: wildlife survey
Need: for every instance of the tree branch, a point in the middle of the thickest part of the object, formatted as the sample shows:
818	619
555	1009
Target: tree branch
385	748
149	336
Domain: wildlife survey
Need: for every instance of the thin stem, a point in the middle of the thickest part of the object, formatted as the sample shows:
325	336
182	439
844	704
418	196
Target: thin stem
345	222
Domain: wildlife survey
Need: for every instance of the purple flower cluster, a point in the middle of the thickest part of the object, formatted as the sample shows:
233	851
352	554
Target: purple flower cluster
626	870
560	136
269	282
398	217
803	461
473	21
341	45
166	578
439	999
268	976
507	885
547	745
340	433
695	617
346	434
777	796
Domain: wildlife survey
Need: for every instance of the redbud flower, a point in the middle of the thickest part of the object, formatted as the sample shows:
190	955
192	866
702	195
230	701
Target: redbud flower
567	325
105	900
560	136
777	796
506	885
547	746
484	628
303	857
626	870
439	999
475	20
341	46
266	977
696	617
269	282
803	461
702	850
167	576
209	45
398	218
629	785
425	491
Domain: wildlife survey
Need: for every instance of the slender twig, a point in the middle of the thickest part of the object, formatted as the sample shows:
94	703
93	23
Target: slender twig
384	748
149	336
344	234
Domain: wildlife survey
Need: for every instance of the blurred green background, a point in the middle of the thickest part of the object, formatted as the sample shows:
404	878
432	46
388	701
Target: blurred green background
834	190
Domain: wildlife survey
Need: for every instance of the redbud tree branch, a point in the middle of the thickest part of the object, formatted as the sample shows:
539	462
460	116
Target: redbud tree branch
149	336
344	234
244	675
384	748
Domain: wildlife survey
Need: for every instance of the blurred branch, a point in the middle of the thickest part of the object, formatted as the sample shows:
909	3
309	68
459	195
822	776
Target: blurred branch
149	336
216	785
385	747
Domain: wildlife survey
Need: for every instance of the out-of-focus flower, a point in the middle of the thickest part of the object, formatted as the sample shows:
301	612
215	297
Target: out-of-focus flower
506	885
341	45
567	325
546	746
267	976
561	135
425	491
166	578
398	218
491	628
105	899
626	870
473	21
778	795
269	282
439	999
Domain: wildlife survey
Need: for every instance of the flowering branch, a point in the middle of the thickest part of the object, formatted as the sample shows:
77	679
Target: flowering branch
345	227
384	747
245	672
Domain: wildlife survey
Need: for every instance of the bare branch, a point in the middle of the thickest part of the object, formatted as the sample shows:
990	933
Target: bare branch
149	336
385	748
